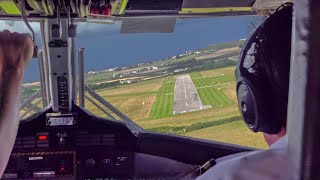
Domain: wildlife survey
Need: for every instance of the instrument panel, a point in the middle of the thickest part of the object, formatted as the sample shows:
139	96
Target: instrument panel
90	148
81	146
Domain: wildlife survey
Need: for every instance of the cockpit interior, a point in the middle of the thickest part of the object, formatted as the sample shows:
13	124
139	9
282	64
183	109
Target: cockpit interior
64	140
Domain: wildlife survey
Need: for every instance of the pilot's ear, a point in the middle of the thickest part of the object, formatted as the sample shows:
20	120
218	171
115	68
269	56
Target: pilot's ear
272	138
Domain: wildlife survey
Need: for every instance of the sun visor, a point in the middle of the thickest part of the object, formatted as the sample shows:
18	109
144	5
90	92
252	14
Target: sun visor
148	25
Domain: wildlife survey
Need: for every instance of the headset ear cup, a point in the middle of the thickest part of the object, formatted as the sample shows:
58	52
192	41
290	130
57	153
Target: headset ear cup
257	108
248	105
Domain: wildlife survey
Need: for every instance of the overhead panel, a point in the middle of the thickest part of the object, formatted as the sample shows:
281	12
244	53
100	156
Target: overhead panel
223	7
34	8
9	7
36	5
43	7
118	7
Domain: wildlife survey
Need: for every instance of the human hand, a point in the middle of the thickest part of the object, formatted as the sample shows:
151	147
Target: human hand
16	50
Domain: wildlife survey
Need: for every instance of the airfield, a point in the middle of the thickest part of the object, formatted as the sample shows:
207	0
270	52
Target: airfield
212	111
198	102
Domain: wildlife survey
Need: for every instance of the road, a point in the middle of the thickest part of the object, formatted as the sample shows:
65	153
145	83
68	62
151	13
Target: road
186	98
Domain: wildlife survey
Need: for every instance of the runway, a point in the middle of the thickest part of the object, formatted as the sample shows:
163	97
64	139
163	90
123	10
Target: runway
186	98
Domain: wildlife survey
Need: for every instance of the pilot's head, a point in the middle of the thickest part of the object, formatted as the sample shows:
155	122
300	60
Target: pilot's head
263	75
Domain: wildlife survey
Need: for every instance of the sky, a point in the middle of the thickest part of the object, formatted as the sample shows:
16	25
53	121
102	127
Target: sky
105	47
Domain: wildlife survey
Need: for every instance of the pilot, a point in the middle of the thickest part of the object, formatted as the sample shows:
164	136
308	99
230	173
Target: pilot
262	89
15	52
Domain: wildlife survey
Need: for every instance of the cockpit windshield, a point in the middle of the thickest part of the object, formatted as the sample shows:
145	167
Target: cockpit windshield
180	83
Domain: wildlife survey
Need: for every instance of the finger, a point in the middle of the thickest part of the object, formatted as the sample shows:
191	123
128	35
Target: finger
5	34
28	39
28	35
22	40
6	31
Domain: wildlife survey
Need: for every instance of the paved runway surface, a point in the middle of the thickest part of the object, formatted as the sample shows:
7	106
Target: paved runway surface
186	97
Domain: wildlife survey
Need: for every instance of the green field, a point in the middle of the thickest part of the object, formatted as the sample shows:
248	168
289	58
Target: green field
212	89
213	96
213	81
235	132
163	105
196	75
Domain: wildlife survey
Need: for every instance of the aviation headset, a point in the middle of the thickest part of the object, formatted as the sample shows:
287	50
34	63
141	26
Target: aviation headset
261	106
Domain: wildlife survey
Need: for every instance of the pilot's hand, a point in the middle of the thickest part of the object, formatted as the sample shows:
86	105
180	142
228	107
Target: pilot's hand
15	52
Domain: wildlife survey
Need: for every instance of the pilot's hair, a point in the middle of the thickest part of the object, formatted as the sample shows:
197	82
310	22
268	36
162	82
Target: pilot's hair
275	51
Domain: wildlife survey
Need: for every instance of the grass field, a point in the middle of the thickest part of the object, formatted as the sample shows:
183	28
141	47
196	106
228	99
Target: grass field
187	119
235	132
213	81
230	91
196	75
135	107
215	87
150	104
218	72
143	100
214	96
134	100
140	88
163	105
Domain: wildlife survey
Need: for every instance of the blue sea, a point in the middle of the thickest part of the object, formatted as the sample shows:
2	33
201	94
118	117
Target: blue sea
105	47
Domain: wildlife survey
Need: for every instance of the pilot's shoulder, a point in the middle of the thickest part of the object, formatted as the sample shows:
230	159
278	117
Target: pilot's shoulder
269	164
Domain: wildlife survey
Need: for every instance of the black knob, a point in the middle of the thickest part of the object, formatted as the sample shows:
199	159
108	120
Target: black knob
90	162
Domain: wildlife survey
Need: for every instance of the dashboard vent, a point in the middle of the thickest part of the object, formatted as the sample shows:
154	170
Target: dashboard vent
28	142
83	138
